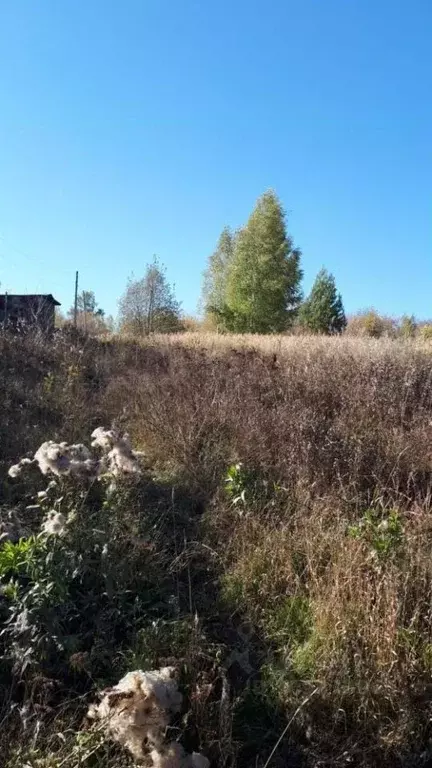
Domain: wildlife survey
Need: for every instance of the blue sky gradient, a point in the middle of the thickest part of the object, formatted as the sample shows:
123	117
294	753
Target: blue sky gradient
145	126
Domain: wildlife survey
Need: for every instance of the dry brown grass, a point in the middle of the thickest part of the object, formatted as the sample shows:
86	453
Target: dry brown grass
337	618
326	429
334	427
279	344
351	415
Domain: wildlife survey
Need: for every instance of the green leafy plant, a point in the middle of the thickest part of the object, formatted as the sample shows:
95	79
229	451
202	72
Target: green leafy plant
17	558
382	530
65	590
245	486
238	482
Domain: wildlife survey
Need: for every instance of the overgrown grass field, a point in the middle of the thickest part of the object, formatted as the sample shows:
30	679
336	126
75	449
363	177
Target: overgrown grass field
275	548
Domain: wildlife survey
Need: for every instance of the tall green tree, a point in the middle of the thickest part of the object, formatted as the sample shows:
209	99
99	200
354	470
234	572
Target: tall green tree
213	297
323	310
263	282
149	305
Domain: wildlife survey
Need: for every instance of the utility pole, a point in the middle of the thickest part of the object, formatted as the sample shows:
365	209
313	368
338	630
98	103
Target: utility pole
5	319
76	300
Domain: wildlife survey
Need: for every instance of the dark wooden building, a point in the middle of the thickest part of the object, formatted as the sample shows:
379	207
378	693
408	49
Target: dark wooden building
33	311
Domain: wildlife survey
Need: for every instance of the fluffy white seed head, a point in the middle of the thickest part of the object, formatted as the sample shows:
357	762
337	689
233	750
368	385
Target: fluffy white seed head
52	457
104	438
136	713
137	710
61	459
17	469
55	524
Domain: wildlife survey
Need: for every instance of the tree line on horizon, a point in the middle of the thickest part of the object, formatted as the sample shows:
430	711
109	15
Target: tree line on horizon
252	284
253	280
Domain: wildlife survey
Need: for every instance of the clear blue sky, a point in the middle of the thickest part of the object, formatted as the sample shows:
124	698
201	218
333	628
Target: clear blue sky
134	127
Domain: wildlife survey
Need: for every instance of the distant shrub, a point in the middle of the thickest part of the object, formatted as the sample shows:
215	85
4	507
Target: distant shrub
370	323
190	324
408	327
426	332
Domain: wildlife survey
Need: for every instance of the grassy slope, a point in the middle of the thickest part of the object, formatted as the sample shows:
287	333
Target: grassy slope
309	571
